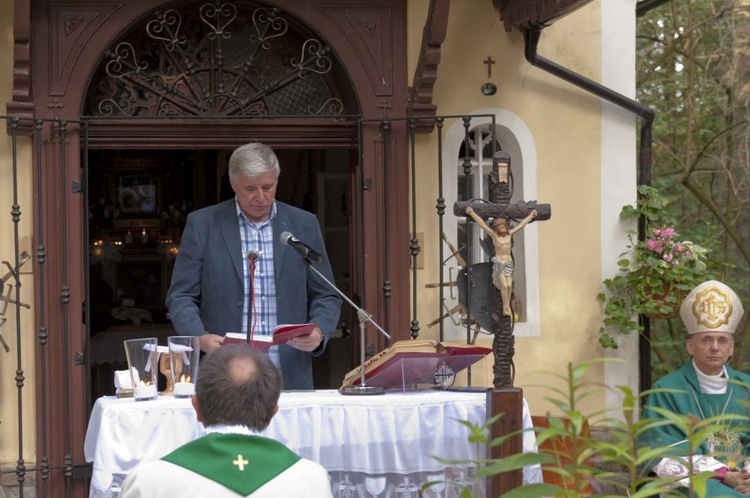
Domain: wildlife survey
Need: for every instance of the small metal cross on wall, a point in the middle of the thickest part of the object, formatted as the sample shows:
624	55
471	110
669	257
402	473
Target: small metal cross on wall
489	63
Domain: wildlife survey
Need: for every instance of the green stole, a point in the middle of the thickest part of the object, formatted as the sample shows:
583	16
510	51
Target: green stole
239	462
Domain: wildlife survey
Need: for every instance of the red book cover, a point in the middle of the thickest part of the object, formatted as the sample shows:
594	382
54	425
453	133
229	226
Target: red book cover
412	363
261	343
281	334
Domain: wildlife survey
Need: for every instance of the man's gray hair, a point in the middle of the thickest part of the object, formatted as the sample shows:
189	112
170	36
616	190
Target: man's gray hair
253	160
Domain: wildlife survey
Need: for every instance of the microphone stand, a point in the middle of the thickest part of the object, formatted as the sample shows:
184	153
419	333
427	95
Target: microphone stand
363	317
251	259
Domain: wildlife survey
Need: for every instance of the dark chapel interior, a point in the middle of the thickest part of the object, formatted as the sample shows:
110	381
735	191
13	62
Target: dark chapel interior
138	204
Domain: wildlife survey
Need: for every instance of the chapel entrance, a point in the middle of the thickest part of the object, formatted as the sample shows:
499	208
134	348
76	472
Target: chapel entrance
198	66
139	202
158	93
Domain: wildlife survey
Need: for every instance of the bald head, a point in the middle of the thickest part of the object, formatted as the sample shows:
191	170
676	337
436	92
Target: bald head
237	386
242	369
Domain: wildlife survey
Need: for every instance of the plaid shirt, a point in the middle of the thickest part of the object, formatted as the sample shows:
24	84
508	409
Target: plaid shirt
259	237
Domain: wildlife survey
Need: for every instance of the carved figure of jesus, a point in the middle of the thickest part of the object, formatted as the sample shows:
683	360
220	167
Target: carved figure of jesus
502	261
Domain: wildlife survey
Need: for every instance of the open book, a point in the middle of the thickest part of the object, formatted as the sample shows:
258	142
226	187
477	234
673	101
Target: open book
279	335
415	363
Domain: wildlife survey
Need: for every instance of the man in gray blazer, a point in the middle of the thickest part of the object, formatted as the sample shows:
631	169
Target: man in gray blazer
212	273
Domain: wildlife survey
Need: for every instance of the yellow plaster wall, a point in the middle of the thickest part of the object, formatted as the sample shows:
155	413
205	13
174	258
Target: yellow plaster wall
566	124
9	361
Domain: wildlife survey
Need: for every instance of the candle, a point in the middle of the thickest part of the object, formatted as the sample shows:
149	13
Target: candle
129	238
144	392
144	236
184	389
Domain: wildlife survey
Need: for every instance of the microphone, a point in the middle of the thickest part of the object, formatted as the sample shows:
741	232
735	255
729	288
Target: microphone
253	255
303	249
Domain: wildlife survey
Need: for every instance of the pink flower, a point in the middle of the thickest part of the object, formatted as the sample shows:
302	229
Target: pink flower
679	248
653	245
668	257
668	232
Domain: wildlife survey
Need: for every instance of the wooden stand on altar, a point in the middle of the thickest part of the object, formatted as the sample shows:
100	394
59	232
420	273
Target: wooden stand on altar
416	364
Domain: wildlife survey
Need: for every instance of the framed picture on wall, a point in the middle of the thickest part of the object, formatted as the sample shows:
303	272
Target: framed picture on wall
136	195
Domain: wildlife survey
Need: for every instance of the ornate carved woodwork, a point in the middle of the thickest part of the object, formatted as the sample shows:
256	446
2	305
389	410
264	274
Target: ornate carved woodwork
425	75
22	105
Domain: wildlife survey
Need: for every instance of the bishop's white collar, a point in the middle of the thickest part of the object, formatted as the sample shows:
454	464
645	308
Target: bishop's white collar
712	384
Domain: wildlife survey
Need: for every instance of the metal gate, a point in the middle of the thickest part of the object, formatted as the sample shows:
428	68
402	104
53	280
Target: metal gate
34	348
29	342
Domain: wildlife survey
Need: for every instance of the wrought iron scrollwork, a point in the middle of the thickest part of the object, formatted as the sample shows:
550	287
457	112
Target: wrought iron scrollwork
124	61
166	29
267	26
196	61
332	107
314	58
223	15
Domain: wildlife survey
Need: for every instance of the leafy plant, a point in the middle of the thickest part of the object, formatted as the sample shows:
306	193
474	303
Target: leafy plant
593	466
479	436
655	274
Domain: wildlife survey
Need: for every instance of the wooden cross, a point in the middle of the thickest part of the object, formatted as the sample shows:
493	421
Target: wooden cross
55	105
504	399
489	63
500	184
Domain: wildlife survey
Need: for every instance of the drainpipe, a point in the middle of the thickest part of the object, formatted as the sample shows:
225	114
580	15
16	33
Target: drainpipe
531	37
645	6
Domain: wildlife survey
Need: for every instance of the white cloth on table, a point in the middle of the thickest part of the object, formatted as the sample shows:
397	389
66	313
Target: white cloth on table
123	432
393	435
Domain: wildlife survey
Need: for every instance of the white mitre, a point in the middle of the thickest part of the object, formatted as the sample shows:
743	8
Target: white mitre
711	307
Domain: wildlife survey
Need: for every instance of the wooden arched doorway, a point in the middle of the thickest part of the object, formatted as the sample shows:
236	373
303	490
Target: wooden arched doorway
71	41
233	66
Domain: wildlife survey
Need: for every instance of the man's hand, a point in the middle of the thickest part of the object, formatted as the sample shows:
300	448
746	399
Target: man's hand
211	342
307	342
739	481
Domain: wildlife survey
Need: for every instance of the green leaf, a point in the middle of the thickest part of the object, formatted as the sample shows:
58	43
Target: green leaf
535	491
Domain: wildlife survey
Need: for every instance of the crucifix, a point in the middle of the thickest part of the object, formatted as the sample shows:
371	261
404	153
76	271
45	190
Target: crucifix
489	63
503	398
502	212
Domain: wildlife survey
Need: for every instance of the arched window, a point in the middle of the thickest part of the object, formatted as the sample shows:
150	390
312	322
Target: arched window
512	136
234	59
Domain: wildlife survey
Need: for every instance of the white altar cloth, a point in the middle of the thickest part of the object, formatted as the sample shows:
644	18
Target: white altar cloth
365	442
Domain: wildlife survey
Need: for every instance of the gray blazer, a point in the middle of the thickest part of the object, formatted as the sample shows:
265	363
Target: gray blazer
207	293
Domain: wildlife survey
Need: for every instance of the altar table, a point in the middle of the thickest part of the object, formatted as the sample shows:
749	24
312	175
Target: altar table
370	445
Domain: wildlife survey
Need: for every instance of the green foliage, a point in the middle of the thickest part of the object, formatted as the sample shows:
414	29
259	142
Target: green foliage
655	274
692	69
585	463
479	436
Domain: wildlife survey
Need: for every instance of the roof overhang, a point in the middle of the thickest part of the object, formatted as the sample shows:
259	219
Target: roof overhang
522	14
518	14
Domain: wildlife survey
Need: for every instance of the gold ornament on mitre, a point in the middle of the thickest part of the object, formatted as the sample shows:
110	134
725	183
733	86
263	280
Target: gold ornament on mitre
711	307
